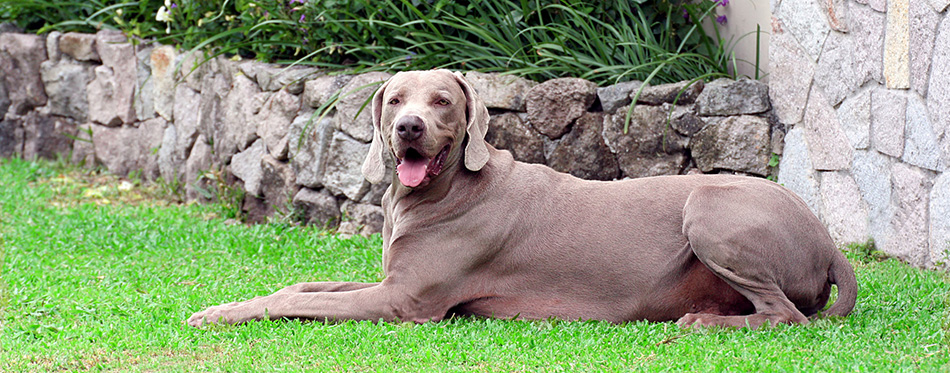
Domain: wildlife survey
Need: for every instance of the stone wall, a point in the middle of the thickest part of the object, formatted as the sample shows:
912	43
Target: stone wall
101	100
864	88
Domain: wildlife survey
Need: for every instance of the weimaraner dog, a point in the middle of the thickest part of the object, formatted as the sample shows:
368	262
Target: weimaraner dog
470	231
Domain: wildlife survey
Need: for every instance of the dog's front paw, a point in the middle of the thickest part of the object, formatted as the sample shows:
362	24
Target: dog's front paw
223	314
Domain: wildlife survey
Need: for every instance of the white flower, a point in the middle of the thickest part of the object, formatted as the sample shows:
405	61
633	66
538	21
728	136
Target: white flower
163	15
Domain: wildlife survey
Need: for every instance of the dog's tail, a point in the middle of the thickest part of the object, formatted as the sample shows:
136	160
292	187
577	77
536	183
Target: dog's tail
842	275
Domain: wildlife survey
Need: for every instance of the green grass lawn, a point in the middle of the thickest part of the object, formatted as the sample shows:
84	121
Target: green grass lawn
99	276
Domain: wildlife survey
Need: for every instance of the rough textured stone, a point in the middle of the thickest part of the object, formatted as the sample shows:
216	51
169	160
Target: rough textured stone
361	218
685	121
256	210
498	91
65	81
795	171
111	92
908	229
855	116
615	96
308	140
897	45
939	5
79	46
508	131
4	100
238	128
197	187
317	208
845	212
850	60
827	143
923	32
195	68
361	127
650	148
872	172
274	78
162	61
939	223
806	20
344	161
583	153
378	190
277	183
837	11
127	149
321	90
667	93
52	46
733	97
170	161
20	58
920	147
246	165
211	110
876	5
47	136
735	143
938	92
84	153
888	113
11	137
553	105
791	72
143	100
273	122
185	111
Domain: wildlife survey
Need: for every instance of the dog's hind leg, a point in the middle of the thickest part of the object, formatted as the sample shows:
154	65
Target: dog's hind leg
754	236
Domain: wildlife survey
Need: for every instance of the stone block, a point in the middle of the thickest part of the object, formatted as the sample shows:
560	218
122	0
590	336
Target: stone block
908	233
938	91
359	90
583	153
837	11
791	72
848	61
126	149
509	132
4	100
940	221
553	105
920	146
872	172
162	61
111	92
65	80
500	91
361	218
20	58
84	153
317	208
273	78
197	187
277	183
806	20
344	162
738	143
11	137
827	144
844	210
897	45
319	91
939	5
273	122
79	46
47	136
618	95
855	117
650	147
888	113
733	97
923	33
309	140
185	111
52	46
796	172
667	93
170	162
238	130
685	121
246	166
143	99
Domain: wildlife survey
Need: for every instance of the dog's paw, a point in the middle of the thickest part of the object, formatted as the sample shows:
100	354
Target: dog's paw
212	315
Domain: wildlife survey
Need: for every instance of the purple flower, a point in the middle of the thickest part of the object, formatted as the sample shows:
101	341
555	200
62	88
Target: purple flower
723	2
409	56
302	17
297	1
721	20
685	14
174	5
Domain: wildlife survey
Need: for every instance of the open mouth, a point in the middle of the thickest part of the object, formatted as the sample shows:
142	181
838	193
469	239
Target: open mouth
414	168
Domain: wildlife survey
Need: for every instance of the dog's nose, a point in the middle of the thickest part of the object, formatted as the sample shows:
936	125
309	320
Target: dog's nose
410	127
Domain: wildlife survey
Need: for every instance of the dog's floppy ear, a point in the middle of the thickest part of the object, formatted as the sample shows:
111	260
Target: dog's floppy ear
476	152
374	168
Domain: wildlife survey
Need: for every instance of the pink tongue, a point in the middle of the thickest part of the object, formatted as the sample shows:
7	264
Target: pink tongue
411	172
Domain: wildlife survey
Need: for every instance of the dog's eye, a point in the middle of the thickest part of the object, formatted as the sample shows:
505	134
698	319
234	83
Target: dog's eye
394	101
443	102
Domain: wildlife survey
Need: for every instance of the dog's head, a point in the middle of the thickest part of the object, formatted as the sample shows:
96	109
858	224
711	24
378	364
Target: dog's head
423	119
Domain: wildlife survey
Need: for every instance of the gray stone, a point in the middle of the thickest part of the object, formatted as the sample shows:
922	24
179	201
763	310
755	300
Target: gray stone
111	92
197	186
47	136
650	148
553	105
320	91
617	95
256	210
171	162
888	113
162	61
126	149
246	165
4	100
500	91
11	137
845	212
238	129
185	111
366	218
344	161
877	5
583	153
355	94
20	58
508	131
84	153
791	72
733	97
211	111
827	143
795	171
872	172
940	221
920	147
681	93
81	47
685	121
806	20
908	233
52	46
274	78
377	191
837	11
277	183
273	122
855	116
143	99
308	140
735	143
850	60
317	208
897	45
939	5
65	81
195	68
923	32
938	92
